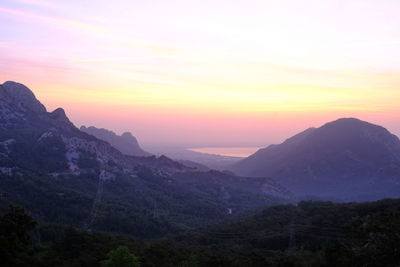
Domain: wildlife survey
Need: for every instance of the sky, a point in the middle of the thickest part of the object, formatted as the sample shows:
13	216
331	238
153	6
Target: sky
207	73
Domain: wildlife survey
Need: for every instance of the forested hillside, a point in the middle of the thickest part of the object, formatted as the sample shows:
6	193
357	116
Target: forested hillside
310	234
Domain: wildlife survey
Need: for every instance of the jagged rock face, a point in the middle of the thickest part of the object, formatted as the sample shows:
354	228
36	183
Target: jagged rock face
20	108
59	114
20	97
16	104
128	136
126	143
52	138
346	158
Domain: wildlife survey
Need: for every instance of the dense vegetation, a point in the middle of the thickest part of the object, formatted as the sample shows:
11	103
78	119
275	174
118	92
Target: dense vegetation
141	197
310	234
144	206
28	154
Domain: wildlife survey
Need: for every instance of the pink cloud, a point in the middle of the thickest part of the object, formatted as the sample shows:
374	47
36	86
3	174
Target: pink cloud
51	20
39	3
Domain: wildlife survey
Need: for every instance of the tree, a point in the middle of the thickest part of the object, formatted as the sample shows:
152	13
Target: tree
121	257
15	238
192	261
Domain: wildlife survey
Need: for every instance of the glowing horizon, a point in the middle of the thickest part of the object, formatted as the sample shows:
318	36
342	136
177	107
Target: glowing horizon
209	73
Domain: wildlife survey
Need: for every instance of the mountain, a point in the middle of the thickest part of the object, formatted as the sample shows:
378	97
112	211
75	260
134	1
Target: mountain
212	161
194	165
126	143
344	159
64	175
48	142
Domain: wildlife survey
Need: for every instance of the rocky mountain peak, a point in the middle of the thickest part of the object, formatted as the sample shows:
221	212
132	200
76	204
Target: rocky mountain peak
20	96
347	157
59	115
125	143
350	132
349	123
128	135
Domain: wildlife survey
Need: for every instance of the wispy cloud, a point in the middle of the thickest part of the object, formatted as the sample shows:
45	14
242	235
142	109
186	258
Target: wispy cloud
51	20
373	43
39	3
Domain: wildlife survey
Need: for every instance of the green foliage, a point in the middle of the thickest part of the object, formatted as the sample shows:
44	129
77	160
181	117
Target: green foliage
313	233
64	201
120	257
370	237
309	234
146	206
192	261
373	240
15	238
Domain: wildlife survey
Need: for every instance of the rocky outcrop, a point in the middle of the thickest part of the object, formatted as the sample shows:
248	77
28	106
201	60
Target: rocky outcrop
20	97
125	143
51	136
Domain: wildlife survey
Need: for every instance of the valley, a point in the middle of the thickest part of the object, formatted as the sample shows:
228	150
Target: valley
89	185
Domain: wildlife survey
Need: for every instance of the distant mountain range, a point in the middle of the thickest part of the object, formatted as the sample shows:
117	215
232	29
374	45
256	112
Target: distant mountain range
126	143
346	159
189	157
64	175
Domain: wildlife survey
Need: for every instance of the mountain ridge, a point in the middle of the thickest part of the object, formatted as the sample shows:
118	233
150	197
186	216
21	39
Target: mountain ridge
63	175
20	110
322	161
125	143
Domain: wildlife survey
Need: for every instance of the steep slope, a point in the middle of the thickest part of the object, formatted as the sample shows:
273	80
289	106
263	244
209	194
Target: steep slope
212	161
33	137
347	158
194	165
126	143
67	176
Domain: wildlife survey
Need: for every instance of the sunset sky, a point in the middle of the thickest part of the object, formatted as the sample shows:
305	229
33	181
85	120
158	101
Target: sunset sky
207	73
